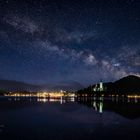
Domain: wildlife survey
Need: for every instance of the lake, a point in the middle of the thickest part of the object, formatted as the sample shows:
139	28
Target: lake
32	118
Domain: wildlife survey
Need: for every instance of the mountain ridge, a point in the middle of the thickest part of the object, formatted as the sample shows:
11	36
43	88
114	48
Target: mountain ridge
130	83
11	85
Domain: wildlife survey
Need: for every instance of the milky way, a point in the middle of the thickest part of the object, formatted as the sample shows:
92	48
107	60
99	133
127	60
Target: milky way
50	41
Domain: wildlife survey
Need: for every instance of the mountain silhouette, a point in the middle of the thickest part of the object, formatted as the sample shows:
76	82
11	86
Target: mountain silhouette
9	85
126	84
65	85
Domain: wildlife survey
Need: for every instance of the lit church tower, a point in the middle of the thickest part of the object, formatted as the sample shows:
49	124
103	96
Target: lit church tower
101	88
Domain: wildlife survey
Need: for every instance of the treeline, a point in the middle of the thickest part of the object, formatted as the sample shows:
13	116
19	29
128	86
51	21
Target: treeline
2	92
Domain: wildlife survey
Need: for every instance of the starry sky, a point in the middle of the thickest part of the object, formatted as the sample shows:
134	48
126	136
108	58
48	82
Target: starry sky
50	41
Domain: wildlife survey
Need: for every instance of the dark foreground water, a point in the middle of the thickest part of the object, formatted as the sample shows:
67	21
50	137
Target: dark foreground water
82	119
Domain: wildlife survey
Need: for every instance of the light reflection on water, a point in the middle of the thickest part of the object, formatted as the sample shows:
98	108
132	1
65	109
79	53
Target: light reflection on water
61	100
68	118
96	103
44	99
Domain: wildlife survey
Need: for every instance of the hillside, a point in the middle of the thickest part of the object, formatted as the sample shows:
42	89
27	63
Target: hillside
9	85
128	84
65	85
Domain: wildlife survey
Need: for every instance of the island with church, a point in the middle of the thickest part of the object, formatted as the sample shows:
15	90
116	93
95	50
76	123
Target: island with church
126	86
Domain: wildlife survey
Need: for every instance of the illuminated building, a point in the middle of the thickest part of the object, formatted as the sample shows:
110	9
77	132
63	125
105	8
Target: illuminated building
99	87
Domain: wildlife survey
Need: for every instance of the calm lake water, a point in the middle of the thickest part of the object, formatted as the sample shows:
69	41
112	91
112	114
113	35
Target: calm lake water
69	119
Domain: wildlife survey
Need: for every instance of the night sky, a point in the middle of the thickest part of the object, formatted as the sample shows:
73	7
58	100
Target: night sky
50	41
